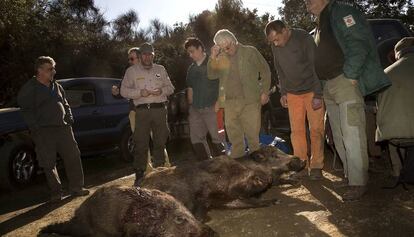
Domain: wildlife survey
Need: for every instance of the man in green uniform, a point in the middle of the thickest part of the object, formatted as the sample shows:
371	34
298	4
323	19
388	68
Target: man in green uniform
49	118
148	85
244	85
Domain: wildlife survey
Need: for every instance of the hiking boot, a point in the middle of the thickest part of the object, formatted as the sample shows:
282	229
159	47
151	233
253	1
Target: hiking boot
391	182
315	174
354	193
139	176
80	193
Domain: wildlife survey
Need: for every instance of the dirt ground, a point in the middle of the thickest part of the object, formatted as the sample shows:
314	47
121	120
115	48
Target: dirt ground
312	208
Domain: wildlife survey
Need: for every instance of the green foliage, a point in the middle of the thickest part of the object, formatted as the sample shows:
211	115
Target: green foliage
84	43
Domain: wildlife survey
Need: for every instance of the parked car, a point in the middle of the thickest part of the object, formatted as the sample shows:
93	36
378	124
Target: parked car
101	124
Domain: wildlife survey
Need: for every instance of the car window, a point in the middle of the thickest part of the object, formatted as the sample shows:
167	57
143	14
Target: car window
108	97
384	31
80	97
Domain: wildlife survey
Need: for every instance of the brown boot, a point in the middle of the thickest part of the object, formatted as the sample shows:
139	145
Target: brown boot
315	174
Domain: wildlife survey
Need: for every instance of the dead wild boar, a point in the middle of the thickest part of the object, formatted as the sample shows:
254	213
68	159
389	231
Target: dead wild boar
223	181
129	211
277	161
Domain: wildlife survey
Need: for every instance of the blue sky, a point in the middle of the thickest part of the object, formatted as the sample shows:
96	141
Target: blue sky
172	11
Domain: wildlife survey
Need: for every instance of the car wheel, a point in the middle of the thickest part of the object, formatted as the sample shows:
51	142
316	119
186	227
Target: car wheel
18	165
127	145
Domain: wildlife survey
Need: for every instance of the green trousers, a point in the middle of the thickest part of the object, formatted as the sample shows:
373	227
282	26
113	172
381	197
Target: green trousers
242	121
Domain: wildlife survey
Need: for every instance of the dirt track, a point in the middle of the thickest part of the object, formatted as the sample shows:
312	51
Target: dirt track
313	208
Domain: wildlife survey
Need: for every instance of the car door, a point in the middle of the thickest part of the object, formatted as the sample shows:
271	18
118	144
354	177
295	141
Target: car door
87	113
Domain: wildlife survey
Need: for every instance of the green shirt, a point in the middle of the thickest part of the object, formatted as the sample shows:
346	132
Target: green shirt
205	91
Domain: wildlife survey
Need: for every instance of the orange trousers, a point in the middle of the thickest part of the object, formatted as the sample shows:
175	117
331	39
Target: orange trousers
300	108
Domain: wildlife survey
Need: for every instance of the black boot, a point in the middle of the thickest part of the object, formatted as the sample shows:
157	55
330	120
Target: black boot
139	176
217	149
200	151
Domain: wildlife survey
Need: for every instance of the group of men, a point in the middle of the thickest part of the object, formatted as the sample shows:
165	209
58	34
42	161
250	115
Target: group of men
332	71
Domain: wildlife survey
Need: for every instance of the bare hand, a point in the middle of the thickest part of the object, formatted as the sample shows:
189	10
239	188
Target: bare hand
264	98
215	50
144	93
283	101
316	103
216	107
115	90
156	92
353	82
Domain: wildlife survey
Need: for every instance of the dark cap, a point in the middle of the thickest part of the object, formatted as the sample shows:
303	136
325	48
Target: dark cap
404	43
146	48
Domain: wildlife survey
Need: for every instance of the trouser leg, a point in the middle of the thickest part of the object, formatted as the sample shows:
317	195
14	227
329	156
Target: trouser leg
131	117
46	156
141	138
297	119
70	154
317	133
353	126
250	118
198	132
160	131
234	128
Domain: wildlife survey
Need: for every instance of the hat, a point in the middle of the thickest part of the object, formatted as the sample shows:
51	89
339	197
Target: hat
404	43
146	48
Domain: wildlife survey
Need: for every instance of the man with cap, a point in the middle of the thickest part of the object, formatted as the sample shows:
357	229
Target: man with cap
148	85
395	115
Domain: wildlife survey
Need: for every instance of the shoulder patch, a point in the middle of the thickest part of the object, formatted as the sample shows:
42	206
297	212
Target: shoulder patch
349	21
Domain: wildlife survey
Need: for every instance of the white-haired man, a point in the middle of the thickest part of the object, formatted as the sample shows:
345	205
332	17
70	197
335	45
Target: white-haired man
244	84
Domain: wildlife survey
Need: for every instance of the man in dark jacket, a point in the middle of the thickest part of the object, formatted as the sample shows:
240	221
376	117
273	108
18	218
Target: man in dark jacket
47	113
346	60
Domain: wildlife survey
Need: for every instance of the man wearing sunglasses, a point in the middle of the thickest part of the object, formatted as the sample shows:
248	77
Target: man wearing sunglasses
47	114
148	85
133	58
244	85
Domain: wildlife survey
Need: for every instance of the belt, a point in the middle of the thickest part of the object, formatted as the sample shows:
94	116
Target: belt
151	105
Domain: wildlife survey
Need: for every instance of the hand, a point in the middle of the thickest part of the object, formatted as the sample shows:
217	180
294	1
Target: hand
316	103
115	90
216	107
283	101
353	82
145	93
264	98
215	50
156	92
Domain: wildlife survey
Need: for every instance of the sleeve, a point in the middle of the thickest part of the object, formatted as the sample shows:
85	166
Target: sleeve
280	74
27	101
188	80
353	32
167	87
264	70
216	67
68	112
128	89
309	50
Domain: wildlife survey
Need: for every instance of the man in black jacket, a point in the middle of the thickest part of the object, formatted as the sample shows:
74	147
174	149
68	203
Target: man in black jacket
47	113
